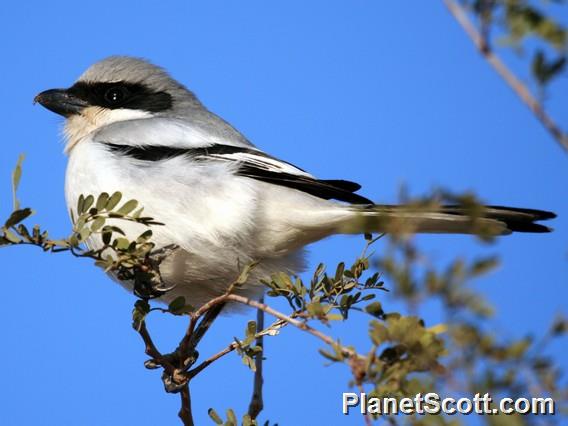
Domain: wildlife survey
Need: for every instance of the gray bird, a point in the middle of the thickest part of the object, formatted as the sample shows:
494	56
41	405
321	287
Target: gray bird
132	128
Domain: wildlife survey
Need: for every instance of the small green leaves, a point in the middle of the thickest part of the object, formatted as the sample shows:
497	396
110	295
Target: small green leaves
544	69
245	273
11	236
16	176
84	203
375	309
482	266
141	309
18	216
97	224
335	356
113	201
245	347
127	207
178	306
144	236
214	416
102	201
232	419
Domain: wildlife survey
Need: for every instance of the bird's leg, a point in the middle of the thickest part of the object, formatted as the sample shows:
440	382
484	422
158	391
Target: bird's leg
187	349
176	379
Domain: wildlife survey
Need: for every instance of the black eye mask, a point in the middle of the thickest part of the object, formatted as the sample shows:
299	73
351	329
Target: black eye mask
121	95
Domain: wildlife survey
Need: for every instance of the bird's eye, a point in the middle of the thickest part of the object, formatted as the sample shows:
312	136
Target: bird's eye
115	95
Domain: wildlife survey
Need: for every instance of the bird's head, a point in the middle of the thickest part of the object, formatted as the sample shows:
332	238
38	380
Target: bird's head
116	89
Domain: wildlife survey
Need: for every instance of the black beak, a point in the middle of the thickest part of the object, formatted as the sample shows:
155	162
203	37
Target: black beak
61	101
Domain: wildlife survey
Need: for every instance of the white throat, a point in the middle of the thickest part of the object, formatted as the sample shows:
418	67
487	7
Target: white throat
94	118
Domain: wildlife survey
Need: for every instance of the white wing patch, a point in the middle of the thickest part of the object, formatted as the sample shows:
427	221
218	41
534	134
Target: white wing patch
260	161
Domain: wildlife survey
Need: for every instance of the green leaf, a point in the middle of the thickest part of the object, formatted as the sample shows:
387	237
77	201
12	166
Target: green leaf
177	304
16	176
107	236
319	270
231	418
18	216
102	200
482	266
23	231
98	223
138	213
251	329
339	272
247	420
127	207
144	236
378	333
544	69
88	202
60	243
111	228
334	317
243	277
73	240
141	309
80	203
214	416
121	243
113	201
10	236
329	355
282	280
84	234
250	332
375	309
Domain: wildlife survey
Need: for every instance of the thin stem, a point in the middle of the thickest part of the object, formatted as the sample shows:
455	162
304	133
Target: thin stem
193	335
203	310
299	324
257	404
205	323
211	360
150	348
230	348
506	74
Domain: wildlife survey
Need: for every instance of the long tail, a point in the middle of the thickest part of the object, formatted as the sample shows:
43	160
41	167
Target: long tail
452	219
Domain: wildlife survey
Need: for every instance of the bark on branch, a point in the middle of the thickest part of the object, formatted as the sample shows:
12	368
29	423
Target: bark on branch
506	74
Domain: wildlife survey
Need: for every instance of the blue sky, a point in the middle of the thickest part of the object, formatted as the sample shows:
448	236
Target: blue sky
382	93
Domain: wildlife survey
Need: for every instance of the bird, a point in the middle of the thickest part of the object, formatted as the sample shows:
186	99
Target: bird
131	127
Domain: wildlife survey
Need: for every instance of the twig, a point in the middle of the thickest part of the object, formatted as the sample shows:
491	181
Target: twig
268	330
211	360
257	404
151	350
205	323
185	411
193	335
299	324
518	87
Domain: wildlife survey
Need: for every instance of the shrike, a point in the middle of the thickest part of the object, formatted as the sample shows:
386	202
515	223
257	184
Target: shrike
130	127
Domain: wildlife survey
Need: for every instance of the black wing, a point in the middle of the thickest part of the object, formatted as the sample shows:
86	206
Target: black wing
253	164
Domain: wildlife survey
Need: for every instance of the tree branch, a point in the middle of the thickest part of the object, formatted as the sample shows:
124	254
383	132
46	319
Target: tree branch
230	348
506	74
185	411
350	353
